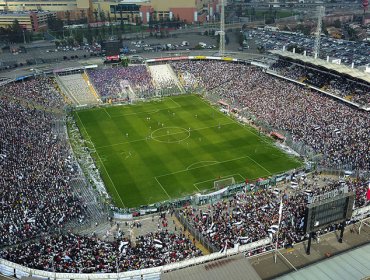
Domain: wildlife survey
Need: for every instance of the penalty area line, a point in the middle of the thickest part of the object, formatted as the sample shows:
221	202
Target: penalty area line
259	165
162	187
105	110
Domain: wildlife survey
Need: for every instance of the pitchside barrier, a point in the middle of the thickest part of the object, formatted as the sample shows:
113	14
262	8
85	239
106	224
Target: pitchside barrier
8	268
200	199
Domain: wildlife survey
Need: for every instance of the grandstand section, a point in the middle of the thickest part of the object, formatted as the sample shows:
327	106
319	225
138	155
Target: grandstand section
355	90
122	83
77	89
165	80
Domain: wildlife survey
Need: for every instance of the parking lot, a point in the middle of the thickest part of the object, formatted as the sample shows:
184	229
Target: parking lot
347	51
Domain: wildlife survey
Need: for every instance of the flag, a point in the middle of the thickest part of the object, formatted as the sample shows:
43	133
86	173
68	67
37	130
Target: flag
158	243
280	210
122	244
368	193
67	258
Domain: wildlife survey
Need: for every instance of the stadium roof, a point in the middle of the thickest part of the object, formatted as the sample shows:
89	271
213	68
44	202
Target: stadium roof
339	68
350	265
236	267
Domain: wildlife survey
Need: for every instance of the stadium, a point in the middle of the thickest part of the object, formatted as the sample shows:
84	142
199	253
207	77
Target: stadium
113	172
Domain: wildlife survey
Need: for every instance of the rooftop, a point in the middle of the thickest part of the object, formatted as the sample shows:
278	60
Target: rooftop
339	68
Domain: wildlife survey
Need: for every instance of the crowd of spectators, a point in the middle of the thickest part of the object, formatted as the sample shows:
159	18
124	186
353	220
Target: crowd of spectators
40	91
116	83
249	217
36	165
355	91
336	131
71	253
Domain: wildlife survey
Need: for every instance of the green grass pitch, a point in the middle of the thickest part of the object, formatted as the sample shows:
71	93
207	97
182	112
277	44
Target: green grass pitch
161	150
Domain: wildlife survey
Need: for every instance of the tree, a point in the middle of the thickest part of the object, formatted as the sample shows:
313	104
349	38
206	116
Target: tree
102	16
54	24
89	35
96	15
70	41
67	14
83	16
240	38
79	38
16	32
337	23
253	13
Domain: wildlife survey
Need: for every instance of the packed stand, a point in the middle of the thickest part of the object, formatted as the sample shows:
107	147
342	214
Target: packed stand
36	167
336	131
164	79
249	217
70	253
116	83
355	91
40	91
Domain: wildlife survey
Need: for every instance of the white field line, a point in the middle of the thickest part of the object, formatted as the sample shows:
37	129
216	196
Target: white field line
209	161
144	139
101	161
219	162
162	187
149	112
177	104
235	121
105	110
259	165
232	175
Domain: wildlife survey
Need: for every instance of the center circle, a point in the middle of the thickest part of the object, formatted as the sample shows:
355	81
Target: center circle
171	134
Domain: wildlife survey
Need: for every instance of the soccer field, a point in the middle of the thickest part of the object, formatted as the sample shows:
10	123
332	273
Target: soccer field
166	149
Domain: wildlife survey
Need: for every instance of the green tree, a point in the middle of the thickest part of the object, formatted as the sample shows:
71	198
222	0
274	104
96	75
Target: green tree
89	35
16	32
70	41
54	24
83	16
253	13
96	15
78	37
67	14
102	16
337	23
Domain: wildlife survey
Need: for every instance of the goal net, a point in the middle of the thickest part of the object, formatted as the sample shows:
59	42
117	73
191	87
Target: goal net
225	182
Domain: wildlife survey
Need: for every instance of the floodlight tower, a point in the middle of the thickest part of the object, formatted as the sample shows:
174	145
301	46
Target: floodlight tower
320	15
222	29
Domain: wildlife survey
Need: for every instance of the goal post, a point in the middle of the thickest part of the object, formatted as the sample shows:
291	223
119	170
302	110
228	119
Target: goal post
225	182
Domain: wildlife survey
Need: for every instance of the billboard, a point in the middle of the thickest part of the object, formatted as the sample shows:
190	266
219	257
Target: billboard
111	48
327	212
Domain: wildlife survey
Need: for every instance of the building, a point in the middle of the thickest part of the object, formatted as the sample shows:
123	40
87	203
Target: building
33	21
330	19
65	9
191	11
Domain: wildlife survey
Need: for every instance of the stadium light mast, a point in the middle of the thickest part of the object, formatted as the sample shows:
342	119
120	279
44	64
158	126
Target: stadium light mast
222	29
320	15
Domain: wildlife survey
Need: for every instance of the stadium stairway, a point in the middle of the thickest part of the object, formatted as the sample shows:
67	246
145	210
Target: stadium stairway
190	236
77	89
90	85
170	70
302	79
